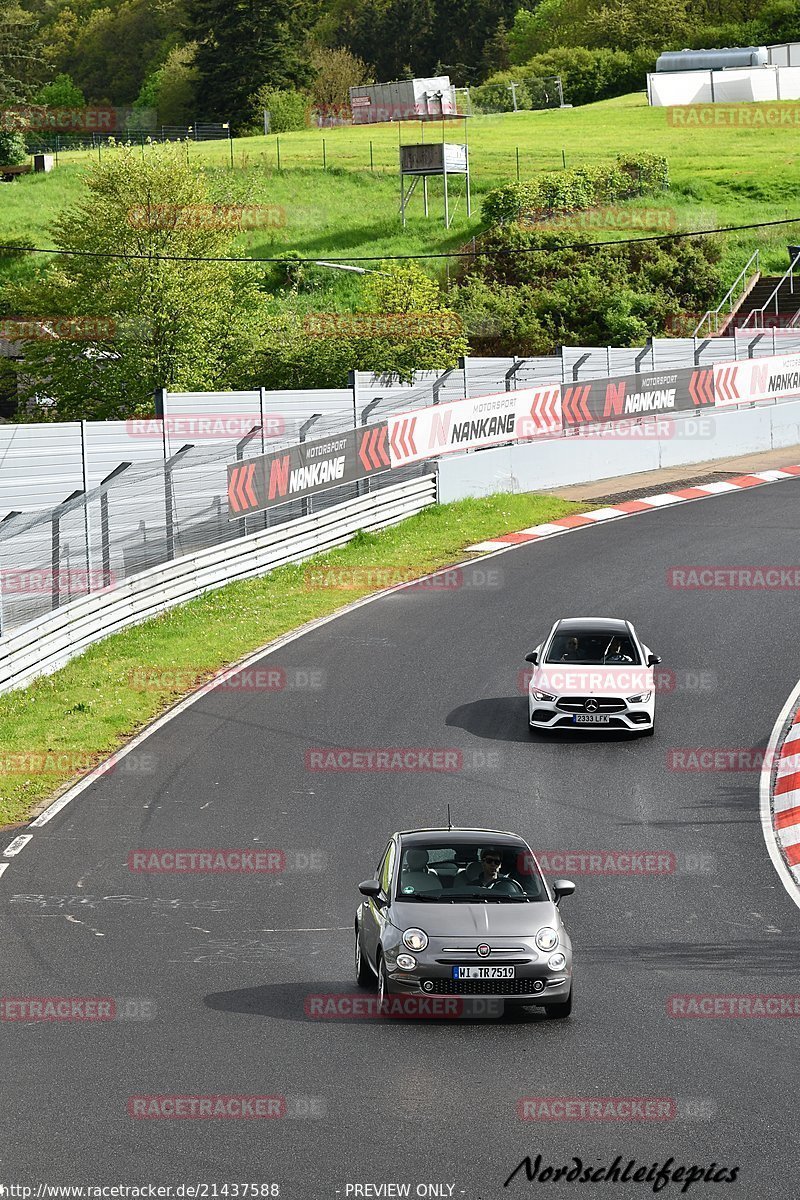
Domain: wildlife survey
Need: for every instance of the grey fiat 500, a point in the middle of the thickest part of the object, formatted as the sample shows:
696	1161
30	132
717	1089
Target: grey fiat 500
464	912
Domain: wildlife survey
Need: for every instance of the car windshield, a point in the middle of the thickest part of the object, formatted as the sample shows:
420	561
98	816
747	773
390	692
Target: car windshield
593	648
469	873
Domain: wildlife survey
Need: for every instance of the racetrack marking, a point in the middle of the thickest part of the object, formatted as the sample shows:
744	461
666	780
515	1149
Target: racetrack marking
629	507
19	843
3	867
782	839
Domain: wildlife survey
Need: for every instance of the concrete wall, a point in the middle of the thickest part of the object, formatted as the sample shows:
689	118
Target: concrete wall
560	462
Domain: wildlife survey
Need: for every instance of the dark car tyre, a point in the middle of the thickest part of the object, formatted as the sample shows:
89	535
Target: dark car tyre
364	975
557	1012
383	979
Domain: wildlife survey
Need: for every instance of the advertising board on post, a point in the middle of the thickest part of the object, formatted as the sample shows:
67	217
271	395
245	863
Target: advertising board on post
757	379
473	424
626	396
306	468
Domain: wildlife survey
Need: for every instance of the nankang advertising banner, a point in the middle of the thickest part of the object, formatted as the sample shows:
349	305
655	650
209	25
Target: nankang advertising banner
306	468
625	397
757	379
473	424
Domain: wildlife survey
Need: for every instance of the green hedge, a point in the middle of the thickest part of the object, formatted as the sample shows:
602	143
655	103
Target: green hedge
575	189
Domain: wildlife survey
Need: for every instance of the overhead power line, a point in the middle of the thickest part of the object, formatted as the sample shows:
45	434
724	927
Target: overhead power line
516	250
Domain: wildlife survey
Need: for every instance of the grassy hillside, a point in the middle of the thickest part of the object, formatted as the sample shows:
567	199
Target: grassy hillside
720	176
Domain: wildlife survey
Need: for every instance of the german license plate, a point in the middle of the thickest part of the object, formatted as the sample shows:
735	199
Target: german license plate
483	972
590	719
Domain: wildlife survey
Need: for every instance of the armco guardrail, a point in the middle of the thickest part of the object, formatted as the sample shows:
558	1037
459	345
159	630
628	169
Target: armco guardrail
44	645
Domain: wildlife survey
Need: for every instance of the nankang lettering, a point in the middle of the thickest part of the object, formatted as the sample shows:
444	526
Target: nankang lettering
315	475
487	427
790	382
648	401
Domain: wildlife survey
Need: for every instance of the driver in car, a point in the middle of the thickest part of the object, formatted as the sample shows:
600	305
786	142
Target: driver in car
490	863
616	654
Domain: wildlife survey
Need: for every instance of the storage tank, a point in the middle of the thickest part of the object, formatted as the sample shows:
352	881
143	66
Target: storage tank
713	60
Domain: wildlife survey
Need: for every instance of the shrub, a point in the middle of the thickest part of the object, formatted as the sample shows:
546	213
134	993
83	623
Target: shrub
288	109
590	75
495	95
578	188
12	148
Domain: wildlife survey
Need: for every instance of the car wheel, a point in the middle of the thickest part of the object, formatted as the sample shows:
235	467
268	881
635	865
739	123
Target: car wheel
383	982
557	1012
364	976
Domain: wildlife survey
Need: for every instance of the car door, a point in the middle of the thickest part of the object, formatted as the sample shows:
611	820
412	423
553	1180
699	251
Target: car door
375	906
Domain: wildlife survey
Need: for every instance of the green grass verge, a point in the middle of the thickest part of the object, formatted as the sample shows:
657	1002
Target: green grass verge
720	176
96	703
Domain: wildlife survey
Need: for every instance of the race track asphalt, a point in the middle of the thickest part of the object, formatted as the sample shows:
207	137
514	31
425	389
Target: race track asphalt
226	962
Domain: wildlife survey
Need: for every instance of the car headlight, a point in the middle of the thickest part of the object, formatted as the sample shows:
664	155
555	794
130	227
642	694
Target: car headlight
557	961
547	938
542	695
406	962
641	699
415	939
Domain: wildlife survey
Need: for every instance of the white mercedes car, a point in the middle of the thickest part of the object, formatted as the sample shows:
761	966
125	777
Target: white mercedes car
592	673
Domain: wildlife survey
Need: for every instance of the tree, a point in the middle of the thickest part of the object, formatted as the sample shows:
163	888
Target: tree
336	71
243	47
170	91
401	327
61	92
110	52
137	323
21	60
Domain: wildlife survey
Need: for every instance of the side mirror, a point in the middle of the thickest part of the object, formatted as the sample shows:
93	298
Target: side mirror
653	660
562	888
533	657
370	888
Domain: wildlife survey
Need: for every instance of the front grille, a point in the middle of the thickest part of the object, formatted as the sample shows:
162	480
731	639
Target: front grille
604	704
611	723
480	987
481	962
